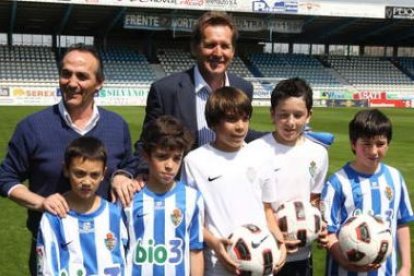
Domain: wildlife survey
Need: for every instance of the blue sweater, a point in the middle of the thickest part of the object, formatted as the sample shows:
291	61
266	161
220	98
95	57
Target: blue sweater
36	153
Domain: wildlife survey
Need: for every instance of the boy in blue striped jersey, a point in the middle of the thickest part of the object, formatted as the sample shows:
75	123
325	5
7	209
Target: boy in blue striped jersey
91	239
164	220
368	185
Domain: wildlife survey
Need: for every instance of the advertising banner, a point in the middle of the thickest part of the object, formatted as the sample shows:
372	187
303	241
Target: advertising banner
136	96
399	13
342	8
147	21
346	103
369	95
185	23
328	94
390	103
21	95
303	7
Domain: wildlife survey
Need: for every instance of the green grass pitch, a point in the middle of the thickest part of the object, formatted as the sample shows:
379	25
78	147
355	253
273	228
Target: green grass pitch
15	240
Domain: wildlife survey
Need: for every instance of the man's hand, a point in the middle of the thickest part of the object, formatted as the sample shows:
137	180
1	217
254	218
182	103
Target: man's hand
124	188
56	204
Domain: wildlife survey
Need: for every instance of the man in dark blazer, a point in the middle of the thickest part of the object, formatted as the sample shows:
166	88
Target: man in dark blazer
183	94
175	95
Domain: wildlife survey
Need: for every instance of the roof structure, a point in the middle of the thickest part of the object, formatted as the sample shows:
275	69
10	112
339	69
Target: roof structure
108	21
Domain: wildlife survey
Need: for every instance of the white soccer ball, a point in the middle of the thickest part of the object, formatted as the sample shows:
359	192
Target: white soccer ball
300	221
254	249
365	239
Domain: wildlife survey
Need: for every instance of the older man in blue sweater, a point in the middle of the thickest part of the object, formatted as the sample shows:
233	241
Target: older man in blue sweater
36	149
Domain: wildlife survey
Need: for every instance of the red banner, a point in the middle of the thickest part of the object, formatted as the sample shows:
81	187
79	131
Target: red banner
389	103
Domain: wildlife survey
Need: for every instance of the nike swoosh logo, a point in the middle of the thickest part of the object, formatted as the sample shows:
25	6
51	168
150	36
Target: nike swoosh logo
214	178
257	244
66	244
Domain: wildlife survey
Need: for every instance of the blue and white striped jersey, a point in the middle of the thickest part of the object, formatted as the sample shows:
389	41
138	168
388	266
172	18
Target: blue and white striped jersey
83	244
163	228
383	193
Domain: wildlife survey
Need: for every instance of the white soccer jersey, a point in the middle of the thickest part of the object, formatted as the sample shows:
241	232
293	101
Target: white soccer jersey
83	244
163	228
232	198
290	173
383	193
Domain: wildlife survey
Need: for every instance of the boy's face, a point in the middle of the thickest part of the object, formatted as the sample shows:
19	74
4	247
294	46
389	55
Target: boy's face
289	117
369	152
163	166
230	133
85	176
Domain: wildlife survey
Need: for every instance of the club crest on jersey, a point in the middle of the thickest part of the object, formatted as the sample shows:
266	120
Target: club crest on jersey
388	193
312	168
176	217
110	241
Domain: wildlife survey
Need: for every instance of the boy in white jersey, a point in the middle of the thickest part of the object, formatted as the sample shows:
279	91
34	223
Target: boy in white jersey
225	176
91	239
368	185
296	166
165	218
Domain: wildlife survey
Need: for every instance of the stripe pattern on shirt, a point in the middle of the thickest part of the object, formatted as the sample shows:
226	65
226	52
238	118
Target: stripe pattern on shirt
83	244
383	193
163	229
205	134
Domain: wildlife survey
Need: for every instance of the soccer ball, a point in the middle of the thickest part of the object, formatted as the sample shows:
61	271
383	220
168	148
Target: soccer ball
254	249
365	239
300	221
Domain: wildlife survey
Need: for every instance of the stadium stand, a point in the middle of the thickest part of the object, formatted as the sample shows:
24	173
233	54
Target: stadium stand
126	66
291	65
28	64
288	65
405	64
174	60
371	73
239	68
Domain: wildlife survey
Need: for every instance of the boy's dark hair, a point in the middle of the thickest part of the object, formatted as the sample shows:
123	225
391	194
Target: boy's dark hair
86	49
213	18
293	87
370	123
87	148
168	133
227	102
